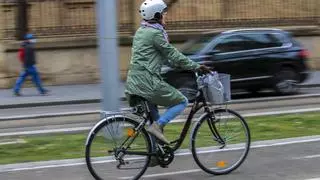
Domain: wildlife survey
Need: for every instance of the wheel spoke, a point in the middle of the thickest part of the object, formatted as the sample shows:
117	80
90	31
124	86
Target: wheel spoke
114	148
217	157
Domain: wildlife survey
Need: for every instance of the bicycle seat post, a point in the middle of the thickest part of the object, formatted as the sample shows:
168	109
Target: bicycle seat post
148	111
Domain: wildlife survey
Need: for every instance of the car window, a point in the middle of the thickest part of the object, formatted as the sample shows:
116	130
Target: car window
265	40
195	45
278	39
232	43
258	41
249	41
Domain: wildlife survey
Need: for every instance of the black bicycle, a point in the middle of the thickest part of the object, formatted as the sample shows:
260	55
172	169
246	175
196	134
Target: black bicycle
119	147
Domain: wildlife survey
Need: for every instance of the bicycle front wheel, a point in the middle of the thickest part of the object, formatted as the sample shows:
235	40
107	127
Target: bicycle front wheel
220	141
114	149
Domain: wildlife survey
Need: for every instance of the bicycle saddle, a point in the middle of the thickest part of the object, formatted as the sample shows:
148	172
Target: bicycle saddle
134	100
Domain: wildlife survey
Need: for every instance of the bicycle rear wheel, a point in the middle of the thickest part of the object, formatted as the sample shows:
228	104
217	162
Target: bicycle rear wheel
108	145
220	142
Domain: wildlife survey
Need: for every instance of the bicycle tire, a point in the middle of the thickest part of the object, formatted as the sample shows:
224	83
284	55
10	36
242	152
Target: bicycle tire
196	128
98	127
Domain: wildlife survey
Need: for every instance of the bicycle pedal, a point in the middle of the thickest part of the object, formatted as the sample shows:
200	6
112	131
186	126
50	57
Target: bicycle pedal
159	141
164	166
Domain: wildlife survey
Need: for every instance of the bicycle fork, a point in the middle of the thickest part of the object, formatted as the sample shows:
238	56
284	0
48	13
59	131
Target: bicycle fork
211	123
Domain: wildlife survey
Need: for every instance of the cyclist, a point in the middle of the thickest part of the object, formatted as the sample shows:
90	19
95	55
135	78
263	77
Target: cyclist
151	49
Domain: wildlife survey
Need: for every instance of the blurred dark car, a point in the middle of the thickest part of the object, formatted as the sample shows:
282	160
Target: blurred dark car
255	59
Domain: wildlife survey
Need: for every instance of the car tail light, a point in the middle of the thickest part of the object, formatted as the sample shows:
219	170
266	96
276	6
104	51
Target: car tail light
304	54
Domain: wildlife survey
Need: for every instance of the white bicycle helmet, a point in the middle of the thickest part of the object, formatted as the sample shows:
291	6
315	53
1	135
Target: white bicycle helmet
150	8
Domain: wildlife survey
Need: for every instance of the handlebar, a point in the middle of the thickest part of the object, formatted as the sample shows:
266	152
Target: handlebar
197	73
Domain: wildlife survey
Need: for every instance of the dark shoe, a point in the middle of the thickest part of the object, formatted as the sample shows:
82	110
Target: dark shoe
45	92
16	94
156	130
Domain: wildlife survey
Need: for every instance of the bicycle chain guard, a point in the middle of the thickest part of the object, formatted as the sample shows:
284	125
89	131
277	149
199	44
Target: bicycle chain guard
166	158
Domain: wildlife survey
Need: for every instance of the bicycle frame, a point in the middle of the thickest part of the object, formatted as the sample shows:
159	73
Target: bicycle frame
178	142
196	106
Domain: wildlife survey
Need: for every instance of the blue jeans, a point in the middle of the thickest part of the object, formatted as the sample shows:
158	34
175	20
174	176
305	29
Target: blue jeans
33	72
170	114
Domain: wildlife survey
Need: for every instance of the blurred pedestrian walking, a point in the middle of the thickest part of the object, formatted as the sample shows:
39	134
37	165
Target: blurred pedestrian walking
27	57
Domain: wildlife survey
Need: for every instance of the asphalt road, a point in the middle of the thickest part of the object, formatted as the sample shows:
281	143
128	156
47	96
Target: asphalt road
277	160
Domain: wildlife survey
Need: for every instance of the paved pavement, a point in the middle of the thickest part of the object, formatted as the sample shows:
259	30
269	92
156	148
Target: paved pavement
294	159
71	94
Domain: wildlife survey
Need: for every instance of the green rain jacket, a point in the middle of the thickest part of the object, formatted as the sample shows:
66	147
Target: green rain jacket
150	51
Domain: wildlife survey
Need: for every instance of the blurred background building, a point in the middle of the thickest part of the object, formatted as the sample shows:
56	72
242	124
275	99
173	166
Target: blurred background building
67	40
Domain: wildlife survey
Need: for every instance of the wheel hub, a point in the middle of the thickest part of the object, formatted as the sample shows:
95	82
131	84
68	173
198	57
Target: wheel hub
287	86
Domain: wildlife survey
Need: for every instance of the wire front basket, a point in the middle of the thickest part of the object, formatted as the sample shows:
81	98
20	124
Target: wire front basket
216	88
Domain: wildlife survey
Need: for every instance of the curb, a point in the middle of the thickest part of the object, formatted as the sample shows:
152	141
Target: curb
49	103
54	103
98	100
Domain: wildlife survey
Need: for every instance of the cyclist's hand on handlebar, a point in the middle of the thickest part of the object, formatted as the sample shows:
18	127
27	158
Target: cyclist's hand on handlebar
204	69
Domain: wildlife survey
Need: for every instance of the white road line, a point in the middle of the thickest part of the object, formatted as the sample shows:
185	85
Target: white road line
79	162
166	174
43	167
55	164
308	157
21	133
313	179
281	112
45	115
18	141
267	113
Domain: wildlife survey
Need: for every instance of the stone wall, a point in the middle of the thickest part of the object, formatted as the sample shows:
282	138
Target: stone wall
4	81
61	61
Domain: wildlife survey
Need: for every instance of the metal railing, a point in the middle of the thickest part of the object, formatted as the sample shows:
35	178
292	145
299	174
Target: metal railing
78	17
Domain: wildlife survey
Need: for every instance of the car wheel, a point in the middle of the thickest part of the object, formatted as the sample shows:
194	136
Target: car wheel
286	81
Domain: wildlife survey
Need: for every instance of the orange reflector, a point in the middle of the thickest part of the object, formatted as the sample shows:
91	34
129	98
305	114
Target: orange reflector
221	164
130	132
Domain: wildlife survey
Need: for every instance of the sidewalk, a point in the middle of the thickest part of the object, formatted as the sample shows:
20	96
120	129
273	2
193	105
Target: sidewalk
76	94
67	94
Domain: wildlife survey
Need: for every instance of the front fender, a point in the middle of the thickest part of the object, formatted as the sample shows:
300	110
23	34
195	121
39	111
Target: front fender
102	121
